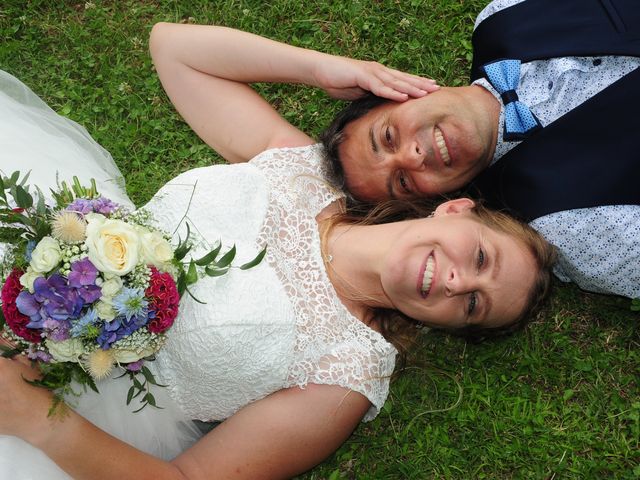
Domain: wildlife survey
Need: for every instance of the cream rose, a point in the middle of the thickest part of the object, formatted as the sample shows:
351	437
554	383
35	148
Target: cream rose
111	287
124	355
28	277
65	351
113	245
155	250
104	310
46	255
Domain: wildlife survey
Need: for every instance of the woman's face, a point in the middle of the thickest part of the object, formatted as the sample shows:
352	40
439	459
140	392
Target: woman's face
451	271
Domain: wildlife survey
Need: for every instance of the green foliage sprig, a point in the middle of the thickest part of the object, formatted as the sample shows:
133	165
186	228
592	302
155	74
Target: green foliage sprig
210	263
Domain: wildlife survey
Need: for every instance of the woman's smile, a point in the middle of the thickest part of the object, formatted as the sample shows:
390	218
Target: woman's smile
426	276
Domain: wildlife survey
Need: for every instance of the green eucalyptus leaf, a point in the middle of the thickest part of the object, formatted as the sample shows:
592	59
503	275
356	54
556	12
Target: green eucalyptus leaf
181	284
148	375
41	207
183	246
255	261
192	273
23	198
25	178
130	393
3	195
227	258
151	400
13	180
215	272
194	297
139	409
209	257
137	383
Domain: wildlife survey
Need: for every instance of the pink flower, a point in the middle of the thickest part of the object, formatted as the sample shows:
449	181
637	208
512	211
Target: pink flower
163	301
16	320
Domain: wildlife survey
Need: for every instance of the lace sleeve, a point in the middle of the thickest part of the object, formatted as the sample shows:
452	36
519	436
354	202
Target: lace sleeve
332	346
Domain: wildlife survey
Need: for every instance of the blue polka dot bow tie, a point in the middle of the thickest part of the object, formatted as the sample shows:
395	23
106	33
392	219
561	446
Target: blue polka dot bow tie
519	121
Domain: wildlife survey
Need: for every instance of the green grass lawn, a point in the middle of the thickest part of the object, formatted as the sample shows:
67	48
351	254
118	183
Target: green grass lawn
561	400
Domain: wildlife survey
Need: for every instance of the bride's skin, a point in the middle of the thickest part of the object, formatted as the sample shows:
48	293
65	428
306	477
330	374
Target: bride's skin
205	70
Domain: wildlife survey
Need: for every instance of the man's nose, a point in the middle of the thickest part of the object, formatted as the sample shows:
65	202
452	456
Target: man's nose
411	157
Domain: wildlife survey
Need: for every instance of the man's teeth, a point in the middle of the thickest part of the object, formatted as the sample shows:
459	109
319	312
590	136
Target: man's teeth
428	275
442	146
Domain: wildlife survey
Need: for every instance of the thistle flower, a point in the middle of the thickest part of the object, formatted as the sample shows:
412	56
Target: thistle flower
68	227
99	363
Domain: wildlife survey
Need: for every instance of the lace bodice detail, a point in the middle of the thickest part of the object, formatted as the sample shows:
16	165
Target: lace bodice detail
275	326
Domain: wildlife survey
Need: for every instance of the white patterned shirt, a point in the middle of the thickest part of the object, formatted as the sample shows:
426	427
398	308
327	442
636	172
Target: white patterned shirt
599	248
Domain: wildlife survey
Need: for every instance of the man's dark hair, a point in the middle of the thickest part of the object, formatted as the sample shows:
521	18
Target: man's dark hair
333	136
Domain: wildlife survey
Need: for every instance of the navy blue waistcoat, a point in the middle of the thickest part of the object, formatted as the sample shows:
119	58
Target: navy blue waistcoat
590	156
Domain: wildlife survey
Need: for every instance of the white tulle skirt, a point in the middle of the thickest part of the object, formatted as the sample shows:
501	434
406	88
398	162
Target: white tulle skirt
35	138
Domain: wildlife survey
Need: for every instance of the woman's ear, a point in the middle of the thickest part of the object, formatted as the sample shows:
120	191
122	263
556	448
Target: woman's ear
459	205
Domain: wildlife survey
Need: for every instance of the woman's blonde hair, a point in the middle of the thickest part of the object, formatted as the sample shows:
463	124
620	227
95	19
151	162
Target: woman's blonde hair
400	329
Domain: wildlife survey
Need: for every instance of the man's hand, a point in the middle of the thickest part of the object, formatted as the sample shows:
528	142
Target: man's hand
348	79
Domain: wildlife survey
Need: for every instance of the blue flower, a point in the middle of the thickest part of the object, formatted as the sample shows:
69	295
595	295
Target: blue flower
29	250
130	302
79	326
118	328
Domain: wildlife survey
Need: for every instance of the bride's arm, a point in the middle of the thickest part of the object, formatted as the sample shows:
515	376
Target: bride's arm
206	70
280	436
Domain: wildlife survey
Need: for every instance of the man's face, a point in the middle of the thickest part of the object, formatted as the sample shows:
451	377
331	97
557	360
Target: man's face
423	147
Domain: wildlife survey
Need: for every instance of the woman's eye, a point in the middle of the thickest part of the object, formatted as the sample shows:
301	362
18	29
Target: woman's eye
403	183
473	300
480	258
387	135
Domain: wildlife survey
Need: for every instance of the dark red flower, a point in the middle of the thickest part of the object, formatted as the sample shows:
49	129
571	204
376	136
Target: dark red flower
16	321
163	297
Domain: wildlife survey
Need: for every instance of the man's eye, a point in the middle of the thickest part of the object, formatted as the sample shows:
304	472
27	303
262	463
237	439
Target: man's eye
480	258
387	135
473	300
403	183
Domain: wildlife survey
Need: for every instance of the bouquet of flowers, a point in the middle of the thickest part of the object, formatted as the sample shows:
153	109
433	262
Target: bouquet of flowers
90	286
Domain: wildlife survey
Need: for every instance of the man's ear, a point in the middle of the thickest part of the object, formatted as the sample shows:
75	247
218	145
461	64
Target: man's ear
459	205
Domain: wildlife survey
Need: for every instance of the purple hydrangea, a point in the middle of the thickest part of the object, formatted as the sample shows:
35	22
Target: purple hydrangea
98	205
57	330
81	205
104	205
82	277
135	366
59	301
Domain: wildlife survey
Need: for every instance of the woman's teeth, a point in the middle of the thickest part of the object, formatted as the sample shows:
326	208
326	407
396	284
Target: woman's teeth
428	275
442	147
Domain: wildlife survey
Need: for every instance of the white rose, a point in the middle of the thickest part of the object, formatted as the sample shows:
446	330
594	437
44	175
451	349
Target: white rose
111	287
46	255
105	310
155	250
123	355
65	351
28	277
113	245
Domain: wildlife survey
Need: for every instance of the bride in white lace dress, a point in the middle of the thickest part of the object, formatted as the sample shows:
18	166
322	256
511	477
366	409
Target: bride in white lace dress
291	354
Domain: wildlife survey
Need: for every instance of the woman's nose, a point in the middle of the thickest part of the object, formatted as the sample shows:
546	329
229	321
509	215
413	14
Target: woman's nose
457	283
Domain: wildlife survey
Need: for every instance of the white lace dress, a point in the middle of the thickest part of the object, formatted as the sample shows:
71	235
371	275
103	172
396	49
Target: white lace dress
275	326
